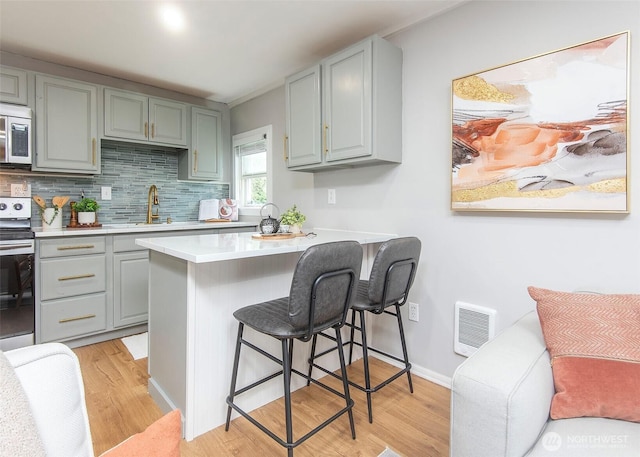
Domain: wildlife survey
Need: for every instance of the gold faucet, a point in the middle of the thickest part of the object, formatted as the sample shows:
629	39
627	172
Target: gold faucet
152	200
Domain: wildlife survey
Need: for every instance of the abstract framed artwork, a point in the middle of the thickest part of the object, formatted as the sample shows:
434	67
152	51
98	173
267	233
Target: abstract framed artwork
548	133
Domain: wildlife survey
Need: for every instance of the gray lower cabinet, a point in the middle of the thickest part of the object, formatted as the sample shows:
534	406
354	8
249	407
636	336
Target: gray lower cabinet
71	287
130	281
95	288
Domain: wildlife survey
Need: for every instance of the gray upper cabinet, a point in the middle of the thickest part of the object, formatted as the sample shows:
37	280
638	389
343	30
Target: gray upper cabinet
13	86
66	126
204	159
304	118
134	116
347	110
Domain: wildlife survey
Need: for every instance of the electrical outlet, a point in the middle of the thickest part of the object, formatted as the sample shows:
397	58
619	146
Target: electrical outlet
21	190
331	196
106	193
414	314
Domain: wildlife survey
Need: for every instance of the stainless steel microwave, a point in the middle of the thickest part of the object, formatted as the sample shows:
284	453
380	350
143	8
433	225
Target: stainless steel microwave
15	135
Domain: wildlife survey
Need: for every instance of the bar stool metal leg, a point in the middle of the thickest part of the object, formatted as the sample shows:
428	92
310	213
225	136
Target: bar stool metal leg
234	374
407	365
365	360
287	353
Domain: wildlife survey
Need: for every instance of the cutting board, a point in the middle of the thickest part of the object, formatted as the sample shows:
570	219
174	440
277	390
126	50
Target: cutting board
276	236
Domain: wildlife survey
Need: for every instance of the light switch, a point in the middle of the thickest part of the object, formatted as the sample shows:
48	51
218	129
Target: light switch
331	196
106	193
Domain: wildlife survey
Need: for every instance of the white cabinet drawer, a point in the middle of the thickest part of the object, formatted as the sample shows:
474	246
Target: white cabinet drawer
70	317
72	276
62	247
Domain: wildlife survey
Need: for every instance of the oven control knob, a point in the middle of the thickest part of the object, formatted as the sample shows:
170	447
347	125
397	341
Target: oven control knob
3	206
17	206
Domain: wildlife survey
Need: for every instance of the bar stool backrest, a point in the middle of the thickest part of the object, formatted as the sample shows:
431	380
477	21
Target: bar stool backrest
323	286
393	271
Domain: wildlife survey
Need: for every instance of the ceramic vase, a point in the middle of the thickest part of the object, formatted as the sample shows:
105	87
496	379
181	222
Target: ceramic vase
86	218
51	219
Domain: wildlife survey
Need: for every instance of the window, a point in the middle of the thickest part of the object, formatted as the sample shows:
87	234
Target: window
252	163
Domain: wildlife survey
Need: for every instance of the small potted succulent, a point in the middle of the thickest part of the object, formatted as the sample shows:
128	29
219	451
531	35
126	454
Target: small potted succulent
86	209
292	218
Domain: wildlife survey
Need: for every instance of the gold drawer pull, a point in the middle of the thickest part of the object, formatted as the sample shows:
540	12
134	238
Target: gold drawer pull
79	318
78	246
67	278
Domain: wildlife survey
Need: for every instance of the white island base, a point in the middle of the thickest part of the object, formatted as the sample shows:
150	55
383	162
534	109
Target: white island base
196	283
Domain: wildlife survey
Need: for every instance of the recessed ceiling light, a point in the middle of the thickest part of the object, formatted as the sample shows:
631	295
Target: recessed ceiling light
172	17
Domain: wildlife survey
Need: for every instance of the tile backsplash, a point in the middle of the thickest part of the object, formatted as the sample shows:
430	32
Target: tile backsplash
129	169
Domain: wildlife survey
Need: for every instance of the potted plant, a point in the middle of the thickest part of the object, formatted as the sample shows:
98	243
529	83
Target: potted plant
293	218
86	209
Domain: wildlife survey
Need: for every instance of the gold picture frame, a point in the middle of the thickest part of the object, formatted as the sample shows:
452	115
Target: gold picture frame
548	133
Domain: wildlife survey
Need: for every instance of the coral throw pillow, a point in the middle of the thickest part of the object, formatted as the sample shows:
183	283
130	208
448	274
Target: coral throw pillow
160	439
594	343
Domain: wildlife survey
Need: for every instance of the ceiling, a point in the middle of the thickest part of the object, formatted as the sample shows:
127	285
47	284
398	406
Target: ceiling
227	50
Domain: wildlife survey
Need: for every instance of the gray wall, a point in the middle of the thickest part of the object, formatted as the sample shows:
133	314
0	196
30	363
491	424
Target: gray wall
288	187
484	258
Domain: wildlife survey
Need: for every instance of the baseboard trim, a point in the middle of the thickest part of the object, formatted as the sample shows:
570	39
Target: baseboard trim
429	375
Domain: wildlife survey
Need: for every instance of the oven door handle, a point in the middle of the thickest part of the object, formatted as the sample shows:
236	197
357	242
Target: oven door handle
6	247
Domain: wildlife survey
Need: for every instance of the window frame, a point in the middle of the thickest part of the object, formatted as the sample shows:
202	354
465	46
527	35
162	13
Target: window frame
249	137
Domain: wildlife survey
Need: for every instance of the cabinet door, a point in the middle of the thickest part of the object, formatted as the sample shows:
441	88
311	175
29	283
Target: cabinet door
13	86
126	115
347	102
66	126
304	143
130	288
206	144
168	122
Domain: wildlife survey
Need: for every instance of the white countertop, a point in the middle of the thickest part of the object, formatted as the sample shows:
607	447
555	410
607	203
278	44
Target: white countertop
229	246
109	229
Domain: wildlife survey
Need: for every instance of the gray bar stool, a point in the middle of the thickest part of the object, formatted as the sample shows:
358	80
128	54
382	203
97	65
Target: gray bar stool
322	290
392	275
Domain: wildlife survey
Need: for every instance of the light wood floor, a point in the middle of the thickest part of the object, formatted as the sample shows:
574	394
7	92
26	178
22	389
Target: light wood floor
411	425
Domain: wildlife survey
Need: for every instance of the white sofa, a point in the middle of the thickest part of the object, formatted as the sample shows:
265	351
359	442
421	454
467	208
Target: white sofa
50	377
500	402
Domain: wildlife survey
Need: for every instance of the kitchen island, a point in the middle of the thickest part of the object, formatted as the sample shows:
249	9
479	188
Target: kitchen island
196	283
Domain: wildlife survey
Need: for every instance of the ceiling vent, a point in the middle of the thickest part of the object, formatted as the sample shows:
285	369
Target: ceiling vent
474	326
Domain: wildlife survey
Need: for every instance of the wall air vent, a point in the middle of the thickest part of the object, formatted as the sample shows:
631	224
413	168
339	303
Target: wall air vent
474	326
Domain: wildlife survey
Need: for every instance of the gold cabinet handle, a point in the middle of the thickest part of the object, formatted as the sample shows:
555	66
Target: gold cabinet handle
93	151
146	130
195	160
324	139
78	318
153	130
77	246
69	278
286	141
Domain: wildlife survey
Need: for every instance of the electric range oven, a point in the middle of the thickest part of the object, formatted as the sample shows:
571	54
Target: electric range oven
17	303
